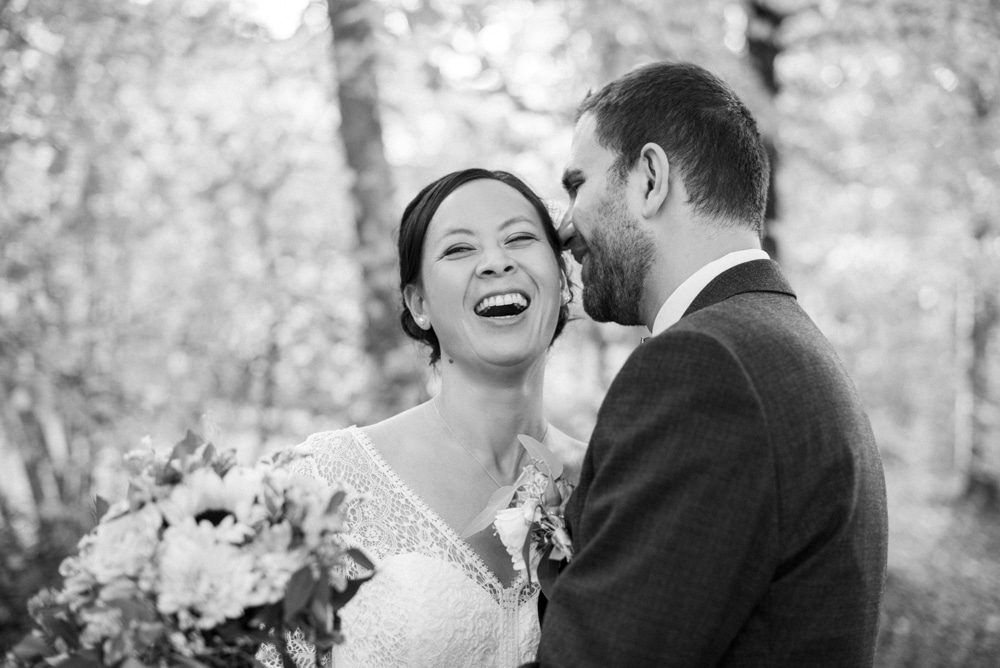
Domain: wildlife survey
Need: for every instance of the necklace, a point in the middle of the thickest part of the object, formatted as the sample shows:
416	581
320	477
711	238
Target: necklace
455	438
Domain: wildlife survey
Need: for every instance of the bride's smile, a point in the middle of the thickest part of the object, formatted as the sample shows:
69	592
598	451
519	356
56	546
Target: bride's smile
506	305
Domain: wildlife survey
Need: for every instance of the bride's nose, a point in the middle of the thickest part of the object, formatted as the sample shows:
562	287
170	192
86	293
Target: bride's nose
495	261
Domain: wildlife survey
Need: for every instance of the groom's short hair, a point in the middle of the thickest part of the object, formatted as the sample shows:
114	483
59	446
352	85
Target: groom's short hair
705	130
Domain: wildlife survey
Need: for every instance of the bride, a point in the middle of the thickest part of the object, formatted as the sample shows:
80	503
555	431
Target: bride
485	287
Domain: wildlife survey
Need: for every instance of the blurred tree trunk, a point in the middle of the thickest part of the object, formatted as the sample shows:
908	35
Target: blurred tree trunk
22	430
982	477
982	483
982	474
355	53
763	47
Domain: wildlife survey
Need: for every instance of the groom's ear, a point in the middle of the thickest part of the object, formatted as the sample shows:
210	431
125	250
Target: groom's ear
654	170
413	296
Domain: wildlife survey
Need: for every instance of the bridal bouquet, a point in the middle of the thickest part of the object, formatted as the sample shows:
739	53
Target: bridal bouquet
528	516
200	564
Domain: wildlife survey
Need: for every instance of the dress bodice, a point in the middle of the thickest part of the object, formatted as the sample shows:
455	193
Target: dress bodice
433	601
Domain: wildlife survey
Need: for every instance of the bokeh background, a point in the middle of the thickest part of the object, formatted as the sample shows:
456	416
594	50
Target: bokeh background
198	198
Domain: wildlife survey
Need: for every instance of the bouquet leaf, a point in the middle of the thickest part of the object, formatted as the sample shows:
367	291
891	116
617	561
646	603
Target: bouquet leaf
500	500
188	662
340	598
361	558
62	629
320	601
335	502
134	610
101	507
84	659
536	450
31	648
186	447
299	592
132	662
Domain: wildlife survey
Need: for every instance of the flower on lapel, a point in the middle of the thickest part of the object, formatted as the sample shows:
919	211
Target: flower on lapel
513	526
528	516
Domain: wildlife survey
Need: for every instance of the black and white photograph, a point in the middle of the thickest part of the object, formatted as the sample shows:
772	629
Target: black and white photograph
500	333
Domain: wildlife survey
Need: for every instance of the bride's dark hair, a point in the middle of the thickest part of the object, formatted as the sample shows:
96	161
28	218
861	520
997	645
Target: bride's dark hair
413	229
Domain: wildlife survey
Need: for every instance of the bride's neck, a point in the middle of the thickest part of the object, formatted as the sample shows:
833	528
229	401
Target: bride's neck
489	413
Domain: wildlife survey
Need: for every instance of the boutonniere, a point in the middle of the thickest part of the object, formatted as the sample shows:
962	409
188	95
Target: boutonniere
528	516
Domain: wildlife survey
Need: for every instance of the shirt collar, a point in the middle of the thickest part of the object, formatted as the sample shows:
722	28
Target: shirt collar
681	298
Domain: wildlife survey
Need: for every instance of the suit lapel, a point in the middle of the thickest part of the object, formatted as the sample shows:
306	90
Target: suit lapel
753	276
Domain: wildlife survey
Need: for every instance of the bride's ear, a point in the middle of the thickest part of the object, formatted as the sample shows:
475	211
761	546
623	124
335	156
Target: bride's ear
414	298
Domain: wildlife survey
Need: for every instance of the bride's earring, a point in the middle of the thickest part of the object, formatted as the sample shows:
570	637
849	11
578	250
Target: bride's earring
566	294
421	321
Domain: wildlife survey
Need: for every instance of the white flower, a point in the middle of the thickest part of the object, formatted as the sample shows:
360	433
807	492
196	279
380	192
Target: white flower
513	525
122	547
273	572
272	538
204	579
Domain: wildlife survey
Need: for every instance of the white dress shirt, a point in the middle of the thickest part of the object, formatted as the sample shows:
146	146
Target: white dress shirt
681	298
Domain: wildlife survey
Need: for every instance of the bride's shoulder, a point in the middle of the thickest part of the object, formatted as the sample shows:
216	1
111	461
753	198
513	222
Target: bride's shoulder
399	435
339	455
332	440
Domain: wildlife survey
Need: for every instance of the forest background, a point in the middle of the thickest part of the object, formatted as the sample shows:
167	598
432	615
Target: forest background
198	198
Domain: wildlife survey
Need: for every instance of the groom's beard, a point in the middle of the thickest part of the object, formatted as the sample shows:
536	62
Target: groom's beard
615	268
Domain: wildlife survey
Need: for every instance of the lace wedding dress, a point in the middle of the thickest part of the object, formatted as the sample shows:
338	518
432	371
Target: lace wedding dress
433	601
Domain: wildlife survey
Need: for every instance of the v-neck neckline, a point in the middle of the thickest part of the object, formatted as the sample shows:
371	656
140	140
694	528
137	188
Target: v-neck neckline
364	440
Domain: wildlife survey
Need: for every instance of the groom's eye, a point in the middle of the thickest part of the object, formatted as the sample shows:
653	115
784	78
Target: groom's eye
572	186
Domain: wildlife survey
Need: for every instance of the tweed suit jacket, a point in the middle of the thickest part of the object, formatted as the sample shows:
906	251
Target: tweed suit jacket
731	509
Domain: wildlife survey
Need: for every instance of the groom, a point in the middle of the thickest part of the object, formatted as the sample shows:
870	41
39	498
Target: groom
731	509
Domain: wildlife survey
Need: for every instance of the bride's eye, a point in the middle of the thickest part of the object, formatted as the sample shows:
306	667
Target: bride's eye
456	249
521	239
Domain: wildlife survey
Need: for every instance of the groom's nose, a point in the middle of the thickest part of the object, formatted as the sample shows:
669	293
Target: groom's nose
571	240
566	230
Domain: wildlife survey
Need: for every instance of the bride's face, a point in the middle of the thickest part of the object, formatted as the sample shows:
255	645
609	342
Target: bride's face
489	280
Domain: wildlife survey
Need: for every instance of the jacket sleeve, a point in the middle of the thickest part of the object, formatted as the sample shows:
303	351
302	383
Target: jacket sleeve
677	521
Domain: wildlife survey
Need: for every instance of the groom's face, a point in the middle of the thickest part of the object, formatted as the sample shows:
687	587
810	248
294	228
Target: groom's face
614	251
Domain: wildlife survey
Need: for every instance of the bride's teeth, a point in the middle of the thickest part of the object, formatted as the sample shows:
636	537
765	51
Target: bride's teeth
502	300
